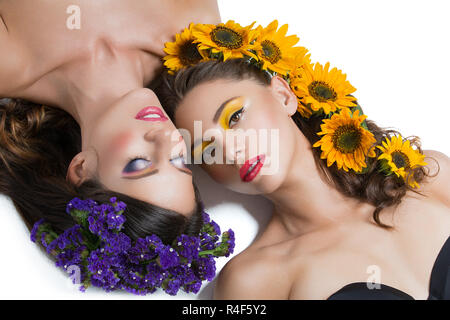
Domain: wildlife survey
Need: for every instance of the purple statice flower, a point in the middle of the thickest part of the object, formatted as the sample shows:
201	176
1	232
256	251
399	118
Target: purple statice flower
172	285
51	248
188	247
142	250
99	264
116	243
81	205
134	280
206	268
193	286
190	281
43	241
119	206
212	228
71	236
107	258
70	257
96	224
209	223
205	217
155	275
230	240
35	229
167	256
208	242
115	221
215	226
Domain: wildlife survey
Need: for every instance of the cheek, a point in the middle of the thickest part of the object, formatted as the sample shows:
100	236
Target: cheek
120	142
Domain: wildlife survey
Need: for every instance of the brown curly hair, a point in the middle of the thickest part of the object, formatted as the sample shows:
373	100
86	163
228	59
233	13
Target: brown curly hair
37	144
372	187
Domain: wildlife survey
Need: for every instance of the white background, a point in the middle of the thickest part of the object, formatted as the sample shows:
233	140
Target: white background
396	53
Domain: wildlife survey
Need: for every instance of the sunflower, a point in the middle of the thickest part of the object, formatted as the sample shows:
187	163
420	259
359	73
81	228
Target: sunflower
294	76
400	158
323	89
345	141
230	38
183	52
276	51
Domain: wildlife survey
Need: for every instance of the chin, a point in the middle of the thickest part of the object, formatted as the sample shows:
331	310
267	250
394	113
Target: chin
261	185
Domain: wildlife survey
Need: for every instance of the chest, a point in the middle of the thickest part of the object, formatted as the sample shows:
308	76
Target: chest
402	259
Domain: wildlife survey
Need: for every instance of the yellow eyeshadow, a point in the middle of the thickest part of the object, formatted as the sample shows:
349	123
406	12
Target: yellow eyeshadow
230	108
200	148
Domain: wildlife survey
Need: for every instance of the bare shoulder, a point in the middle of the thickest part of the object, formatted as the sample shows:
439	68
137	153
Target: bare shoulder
252	274
437	185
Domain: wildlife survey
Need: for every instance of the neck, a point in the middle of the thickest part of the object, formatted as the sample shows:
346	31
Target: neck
306	201
88	94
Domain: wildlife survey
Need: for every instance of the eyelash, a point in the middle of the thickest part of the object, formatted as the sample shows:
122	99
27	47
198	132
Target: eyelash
238	112
136	158
142	157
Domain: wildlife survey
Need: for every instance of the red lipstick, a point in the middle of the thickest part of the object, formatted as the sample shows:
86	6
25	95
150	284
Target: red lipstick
251	168
151	114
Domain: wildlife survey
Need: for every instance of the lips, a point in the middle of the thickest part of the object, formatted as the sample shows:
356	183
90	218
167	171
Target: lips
251	168
151	114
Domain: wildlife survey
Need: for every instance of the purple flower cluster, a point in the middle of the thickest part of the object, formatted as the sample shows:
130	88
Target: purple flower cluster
107	258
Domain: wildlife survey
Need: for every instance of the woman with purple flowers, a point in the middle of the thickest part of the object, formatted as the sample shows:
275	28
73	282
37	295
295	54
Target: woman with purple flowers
79	128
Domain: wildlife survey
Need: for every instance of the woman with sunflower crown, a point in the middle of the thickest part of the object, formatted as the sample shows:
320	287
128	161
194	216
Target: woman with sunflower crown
347	204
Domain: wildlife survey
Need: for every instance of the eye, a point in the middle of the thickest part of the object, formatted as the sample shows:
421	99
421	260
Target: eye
235	117
178	162
137	164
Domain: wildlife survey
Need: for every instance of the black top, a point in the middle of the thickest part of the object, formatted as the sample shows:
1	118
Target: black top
439	284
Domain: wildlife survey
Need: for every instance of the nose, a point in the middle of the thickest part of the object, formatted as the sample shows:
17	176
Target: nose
235	148
168	141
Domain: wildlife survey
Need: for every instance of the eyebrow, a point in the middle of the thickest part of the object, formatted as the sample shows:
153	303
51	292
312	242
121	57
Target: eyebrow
152	173
215	119
141	176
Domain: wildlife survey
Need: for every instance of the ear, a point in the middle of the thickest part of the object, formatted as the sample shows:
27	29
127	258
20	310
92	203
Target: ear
82	167
282	91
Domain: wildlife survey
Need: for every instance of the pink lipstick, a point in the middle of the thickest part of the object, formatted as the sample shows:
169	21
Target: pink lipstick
251	168
151	114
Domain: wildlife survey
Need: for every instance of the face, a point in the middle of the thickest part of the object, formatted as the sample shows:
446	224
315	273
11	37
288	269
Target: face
140	153
247	132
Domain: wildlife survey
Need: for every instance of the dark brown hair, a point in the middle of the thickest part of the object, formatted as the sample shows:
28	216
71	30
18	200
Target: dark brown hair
37	144
372	187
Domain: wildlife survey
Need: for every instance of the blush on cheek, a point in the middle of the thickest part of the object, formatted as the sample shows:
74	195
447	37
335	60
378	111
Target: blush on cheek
120	142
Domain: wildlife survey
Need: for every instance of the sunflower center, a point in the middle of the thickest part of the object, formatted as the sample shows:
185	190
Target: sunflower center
189	53
321	91
347	138
271	51
226	37
400	159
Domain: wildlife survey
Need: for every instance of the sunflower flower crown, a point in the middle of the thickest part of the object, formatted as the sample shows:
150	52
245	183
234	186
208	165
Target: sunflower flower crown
95	252
346	140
